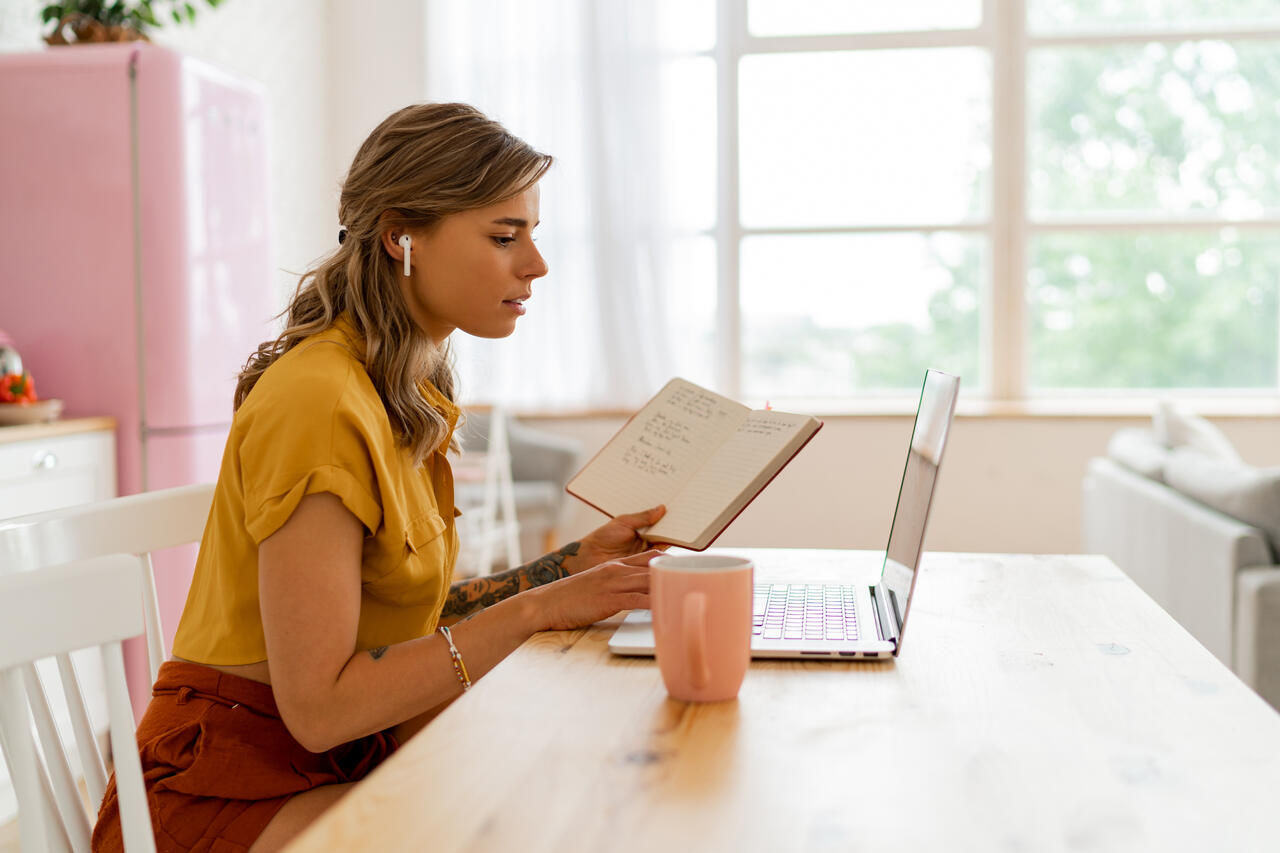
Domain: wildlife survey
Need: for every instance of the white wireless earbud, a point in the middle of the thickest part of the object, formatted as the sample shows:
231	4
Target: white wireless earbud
406	243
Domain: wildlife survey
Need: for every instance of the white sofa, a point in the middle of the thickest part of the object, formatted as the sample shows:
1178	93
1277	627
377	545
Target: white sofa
1215	574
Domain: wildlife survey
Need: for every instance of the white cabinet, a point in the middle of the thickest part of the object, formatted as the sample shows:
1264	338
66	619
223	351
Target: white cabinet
49	466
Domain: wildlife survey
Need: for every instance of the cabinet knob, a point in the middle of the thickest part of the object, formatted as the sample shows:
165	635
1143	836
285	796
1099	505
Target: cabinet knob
46	459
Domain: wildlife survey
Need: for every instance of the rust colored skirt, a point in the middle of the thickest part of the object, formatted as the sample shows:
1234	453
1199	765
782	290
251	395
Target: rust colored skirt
218	763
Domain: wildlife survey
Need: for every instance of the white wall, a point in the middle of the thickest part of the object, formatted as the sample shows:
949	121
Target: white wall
376	66
1008	484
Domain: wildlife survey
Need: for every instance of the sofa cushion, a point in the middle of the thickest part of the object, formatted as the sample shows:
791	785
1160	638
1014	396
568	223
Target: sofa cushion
1138	450
1173	427
1246	493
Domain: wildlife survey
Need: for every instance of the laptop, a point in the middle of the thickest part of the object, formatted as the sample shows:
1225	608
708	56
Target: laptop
794	619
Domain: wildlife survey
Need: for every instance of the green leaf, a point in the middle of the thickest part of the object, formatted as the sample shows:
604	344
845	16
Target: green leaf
115	14
139	14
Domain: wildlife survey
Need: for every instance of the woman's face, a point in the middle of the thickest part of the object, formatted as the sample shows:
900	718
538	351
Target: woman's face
474	270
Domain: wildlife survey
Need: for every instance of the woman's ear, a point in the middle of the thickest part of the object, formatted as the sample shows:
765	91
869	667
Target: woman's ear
391	242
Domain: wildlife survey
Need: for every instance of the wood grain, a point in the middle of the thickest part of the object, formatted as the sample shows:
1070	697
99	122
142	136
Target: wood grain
1040	703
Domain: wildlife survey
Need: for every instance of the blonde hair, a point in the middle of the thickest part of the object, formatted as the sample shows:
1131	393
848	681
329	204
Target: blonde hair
420	165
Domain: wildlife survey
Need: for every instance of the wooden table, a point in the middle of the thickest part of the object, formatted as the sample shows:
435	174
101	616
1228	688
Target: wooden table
1041	703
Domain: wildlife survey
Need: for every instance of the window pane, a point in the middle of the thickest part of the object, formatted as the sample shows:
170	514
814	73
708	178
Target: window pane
1179	310
838	138
686	25
690	283
829	17
1047	16
1155	128
688	143
828	315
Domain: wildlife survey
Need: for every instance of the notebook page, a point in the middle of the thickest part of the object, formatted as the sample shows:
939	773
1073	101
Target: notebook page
754	452
659	449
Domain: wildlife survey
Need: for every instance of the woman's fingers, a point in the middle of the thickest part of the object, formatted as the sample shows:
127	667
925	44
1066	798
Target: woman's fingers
639	560
644	518
634	601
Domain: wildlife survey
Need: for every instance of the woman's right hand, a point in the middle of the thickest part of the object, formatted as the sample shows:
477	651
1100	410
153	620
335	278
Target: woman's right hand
596	593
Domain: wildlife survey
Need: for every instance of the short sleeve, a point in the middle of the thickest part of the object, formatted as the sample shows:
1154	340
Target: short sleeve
312	429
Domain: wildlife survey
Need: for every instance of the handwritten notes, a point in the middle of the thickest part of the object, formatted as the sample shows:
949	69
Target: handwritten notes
661	437
658	450
671	436
696	451
749	457
768	423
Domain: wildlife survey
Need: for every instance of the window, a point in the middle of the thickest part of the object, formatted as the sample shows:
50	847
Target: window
1152	248
1049	197
1055	197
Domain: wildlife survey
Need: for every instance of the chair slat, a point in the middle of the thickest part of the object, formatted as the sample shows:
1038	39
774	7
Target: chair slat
135	814
156	653
91	764
65	793
39	822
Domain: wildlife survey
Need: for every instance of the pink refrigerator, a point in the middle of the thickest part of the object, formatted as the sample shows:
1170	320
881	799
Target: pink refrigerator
136	275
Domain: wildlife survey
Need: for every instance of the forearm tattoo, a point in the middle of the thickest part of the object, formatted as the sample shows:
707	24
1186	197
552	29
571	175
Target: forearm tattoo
472	595
378	652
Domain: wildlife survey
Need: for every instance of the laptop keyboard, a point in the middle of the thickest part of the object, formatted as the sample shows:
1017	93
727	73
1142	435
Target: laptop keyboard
804	612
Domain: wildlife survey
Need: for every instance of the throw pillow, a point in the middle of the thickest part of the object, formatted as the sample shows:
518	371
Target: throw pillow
1175	427
1246	493
1138	450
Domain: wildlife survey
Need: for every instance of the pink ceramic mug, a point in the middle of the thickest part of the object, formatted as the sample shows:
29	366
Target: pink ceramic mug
701	607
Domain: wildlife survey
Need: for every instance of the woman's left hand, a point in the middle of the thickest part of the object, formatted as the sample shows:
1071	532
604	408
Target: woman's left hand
617	538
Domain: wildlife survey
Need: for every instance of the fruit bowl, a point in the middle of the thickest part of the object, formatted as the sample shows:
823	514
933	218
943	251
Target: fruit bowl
30	413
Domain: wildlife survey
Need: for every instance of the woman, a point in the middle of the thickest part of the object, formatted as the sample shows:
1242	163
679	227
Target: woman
311	643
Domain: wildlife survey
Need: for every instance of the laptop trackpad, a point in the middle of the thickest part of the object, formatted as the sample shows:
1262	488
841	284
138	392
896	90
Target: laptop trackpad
634	636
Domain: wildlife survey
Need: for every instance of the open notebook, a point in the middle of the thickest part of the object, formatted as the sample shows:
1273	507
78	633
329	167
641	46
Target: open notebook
701	454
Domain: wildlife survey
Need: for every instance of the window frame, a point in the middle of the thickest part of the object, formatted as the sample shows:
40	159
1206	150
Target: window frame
1004	351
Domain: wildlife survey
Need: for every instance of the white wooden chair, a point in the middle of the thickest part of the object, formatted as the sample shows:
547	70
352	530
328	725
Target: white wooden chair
51	612
491	524
135	526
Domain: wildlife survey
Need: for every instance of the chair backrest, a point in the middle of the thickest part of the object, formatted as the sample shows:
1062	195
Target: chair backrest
50	613
136	524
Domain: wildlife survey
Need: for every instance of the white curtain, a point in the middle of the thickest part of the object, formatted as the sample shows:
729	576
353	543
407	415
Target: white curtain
577	79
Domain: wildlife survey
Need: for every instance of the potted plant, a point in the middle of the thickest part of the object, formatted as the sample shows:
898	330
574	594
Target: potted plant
86	21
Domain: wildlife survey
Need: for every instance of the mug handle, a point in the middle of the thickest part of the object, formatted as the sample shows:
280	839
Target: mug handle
695	638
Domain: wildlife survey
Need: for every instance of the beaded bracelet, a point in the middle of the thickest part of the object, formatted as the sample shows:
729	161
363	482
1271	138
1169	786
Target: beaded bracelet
459	667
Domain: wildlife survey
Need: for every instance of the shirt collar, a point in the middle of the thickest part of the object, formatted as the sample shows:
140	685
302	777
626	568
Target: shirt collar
444	406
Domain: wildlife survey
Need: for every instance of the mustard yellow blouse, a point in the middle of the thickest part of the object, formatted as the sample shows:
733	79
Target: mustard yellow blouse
314	423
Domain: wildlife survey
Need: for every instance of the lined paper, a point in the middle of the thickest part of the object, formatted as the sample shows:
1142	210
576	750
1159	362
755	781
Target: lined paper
703	455
658	450
754	451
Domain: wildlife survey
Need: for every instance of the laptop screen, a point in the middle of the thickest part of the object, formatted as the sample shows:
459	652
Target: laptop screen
924	455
